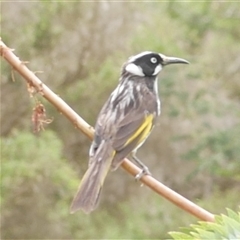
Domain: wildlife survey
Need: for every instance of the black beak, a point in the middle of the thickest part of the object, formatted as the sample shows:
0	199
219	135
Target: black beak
172	60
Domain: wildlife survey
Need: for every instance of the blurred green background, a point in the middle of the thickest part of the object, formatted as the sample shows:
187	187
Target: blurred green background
80	47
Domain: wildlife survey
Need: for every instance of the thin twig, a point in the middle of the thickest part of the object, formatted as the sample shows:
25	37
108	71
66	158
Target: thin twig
88	130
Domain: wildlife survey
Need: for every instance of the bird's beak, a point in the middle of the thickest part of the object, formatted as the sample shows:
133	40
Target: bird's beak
172	60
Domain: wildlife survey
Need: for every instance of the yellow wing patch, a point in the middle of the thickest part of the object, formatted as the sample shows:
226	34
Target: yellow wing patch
143	130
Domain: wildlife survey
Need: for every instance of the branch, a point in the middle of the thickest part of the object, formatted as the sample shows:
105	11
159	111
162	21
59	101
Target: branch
79	123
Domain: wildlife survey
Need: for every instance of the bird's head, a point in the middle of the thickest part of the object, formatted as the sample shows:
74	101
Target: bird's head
150	63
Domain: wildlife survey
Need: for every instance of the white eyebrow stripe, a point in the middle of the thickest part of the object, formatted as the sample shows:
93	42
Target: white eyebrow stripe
133	58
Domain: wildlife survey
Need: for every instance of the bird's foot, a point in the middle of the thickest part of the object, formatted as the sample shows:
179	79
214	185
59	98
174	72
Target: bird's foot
143	172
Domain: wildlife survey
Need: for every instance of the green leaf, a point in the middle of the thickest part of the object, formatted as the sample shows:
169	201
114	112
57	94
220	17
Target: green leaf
233	226
205	234
233	214
224	228
179	235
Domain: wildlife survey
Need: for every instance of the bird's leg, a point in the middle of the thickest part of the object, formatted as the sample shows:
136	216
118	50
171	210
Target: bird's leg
144	168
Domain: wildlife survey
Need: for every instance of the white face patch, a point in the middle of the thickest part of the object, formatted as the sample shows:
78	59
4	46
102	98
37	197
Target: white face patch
157	69
134	69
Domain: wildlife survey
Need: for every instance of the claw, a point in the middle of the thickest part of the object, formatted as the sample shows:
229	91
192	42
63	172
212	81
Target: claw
144	171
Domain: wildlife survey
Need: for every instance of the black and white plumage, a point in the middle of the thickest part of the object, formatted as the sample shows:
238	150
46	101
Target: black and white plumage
123	124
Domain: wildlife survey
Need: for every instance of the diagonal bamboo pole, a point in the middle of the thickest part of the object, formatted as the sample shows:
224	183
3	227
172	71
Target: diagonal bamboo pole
88	130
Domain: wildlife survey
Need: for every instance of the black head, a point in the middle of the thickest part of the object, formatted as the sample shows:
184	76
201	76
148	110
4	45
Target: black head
149	63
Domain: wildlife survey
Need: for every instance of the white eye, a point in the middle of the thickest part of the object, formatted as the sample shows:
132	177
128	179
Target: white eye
153	60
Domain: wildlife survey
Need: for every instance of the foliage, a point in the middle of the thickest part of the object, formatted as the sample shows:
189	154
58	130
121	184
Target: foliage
224	227
226	146
31	186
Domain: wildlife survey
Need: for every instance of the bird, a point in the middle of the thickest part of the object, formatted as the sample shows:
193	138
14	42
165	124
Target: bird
123	124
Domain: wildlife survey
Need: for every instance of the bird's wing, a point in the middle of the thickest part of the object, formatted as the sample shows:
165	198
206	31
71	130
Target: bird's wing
133	128
131	134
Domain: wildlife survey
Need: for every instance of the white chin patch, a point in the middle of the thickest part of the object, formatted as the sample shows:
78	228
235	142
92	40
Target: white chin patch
157	69
134	69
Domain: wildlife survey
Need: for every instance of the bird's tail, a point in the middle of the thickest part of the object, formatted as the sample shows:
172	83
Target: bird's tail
87	197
